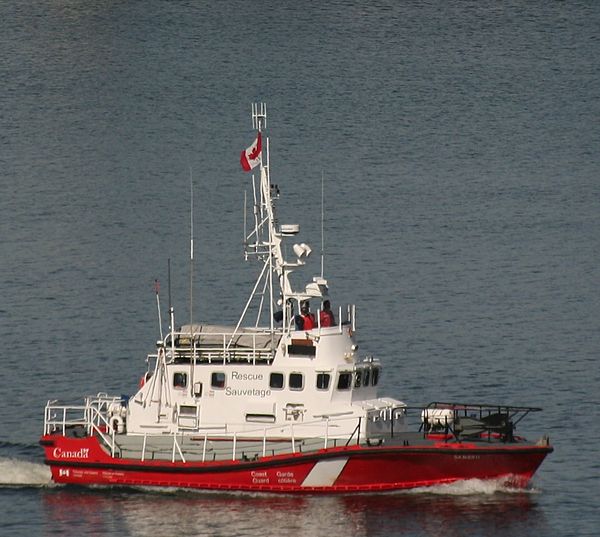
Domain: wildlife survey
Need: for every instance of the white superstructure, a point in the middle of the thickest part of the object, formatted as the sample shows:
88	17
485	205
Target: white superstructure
224	380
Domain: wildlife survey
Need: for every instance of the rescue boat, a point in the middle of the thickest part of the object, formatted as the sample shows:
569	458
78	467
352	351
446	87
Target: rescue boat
282	404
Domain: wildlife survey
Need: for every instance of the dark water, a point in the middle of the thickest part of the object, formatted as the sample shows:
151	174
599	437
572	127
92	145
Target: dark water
459	148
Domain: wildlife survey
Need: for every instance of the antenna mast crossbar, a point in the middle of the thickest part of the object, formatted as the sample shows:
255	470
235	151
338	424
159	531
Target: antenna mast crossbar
259	116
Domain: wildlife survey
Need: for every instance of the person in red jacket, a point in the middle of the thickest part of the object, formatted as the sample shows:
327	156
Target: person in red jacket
308	318
326	317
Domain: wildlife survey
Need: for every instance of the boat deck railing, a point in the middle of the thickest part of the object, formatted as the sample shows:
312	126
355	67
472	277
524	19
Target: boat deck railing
230	442
452	422
237	446
256	347
467	420
91	418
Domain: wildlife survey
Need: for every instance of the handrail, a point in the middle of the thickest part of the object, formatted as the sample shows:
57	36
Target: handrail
292	437
90	416
460	406
464	420
176	445
93	416
357	432
222	350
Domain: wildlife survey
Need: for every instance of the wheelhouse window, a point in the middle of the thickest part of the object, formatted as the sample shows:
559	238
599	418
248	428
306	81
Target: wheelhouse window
366	376
323	380
217	380
358	378
276	381
180	380
344	381
375	377
296	381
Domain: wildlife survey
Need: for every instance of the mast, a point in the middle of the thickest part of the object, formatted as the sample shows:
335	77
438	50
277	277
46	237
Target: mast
264	240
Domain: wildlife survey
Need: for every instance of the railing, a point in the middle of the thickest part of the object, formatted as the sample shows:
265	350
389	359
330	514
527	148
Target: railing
236	446
467	420
57	417
256	346
216	347
454	421
262	441
94	418
91	417
349	319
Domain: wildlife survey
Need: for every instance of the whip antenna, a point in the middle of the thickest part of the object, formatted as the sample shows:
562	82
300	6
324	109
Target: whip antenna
157	291
322	223
171	312
191	248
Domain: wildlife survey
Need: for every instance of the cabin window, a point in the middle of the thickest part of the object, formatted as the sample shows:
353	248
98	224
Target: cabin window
217	380
276	381
296	381
375	378
188	410
358	378
323	380
302	347
260	418
344	381
180	380
366	376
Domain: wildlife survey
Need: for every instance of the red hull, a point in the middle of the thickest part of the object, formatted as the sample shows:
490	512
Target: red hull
344	469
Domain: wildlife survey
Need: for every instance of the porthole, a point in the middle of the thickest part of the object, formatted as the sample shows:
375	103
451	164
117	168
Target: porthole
217	380
180	380
276	381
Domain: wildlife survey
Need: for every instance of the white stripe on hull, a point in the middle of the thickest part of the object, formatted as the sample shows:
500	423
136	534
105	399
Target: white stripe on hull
324	473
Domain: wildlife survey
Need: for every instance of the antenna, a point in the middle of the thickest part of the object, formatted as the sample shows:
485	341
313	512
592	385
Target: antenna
171	312
157	291
322	223
191	248
169	282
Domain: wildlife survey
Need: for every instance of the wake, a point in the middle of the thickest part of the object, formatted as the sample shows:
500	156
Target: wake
20	473
473	487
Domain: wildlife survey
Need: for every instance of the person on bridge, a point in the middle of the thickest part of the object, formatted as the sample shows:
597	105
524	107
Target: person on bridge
308	318
326	316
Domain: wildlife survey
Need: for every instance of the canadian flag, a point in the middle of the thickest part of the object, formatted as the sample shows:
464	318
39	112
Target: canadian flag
250	158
